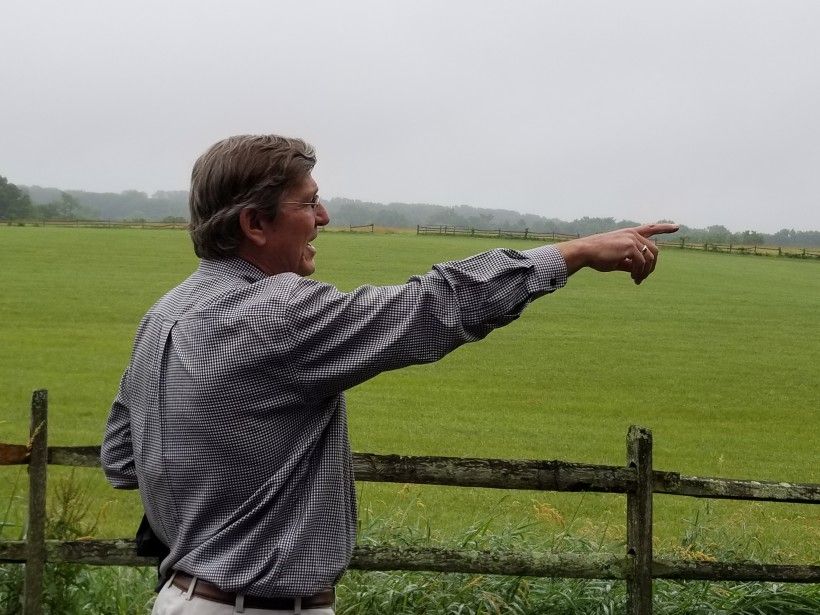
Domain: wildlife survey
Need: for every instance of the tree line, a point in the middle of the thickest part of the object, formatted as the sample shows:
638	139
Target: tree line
35	202
349	212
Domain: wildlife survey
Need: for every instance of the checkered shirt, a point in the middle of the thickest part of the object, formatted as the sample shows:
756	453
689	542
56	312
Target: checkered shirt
231	421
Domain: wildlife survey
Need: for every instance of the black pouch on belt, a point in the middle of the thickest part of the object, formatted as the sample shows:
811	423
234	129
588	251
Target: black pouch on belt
149	545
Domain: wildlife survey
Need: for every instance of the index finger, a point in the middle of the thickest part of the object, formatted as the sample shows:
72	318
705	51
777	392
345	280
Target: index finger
647	230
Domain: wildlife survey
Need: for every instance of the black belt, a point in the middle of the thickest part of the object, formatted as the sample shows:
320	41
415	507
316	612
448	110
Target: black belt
209	591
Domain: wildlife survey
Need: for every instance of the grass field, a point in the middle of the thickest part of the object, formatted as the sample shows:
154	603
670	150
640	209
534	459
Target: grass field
717	354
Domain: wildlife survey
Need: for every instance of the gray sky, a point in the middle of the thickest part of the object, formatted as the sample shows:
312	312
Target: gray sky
705	112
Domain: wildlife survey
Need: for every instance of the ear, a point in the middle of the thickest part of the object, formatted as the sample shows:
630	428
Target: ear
253	223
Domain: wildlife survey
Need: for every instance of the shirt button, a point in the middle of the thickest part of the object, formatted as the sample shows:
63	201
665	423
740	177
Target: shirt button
552	282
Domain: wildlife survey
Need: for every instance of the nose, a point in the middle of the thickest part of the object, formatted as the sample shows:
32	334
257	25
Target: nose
322	217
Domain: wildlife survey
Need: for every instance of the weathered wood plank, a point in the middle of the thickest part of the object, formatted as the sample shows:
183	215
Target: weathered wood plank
730	489
431	559
734	571
456	471
12	551
365	557
639	523
381	557
492	473
81	456
501	474
13	454
35	532
118	552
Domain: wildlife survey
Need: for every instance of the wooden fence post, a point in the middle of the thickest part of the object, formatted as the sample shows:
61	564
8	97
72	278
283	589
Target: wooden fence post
35	533
639	523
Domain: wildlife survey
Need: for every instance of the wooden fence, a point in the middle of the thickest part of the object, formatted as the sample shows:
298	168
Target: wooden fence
683	242
637	480
503	233
138	223
793	251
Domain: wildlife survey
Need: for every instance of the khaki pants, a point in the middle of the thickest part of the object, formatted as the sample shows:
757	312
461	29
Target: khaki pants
174	601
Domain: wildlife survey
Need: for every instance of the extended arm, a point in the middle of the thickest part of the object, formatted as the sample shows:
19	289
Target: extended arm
341	339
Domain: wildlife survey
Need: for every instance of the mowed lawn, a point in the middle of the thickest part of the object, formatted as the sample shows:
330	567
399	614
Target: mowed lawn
717	354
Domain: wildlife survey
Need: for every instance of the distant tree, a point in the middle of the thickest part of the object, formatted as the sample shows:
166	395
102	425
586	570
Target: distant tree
784	236
14	203
41	196
47	211
590	226
749	238
65	208
718	234
389	218
68	207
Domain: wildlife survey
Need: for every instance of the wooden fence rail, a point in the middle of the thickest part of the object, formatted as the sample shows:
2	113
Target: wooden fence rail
637	479
101	223
683	242
792	251
444	229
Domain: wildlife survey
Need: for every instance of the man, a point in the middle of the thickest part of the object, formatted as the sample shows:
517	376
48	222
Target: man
230	418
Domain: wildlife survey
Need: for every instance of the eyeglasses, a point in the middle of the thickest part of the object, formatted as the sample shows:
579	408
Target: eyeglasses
313	204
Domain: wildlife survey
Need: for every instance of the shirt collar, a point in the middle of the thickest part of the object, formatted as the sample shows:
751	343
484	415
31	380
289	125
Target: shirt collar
231	266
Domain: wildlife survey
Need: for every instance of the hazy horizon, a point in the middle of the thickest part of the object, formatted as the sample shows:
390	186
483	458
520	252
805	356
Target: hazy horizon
699	112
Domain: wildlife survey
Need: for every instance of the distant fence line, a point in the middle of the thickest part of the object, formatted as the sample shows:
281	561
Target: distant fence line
146	224
683	242
794	252
366	228
443	229
637	480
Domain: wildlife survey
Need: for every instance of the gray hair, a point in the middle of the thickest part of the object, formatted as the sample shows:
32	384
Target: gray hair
245	171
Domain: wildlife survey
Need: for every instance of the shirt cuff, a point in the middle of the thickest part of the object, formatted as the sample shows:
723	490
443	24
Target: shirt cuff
550	271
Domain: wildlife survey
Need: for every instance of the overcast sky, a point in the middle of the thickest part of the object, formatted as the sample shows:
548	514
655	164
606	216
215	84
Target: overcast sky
704	112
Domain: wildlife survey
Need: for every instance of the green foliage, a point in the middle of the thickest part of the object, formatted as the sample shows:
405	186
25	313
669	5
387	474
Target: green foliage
14	203
70	589
128	204
11	588
66	207
410	593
